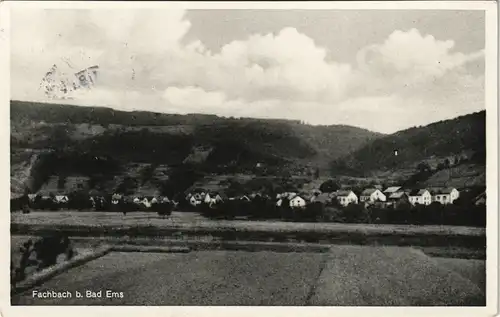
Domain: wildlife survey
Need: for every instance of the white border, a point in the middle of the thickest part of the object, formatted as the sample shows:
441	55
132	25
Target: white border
491	85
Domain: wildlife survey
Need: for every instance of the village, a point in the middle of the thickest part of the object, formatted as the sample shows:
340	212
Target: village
390	197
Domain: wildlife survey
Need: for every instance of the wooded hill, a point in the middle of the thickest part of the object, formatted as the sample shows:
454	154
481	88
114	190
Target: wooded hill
461	138
98	142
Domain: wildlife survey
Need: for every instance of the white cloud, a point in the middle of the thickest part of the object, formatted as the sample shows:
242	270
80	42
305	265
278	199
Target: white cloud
408	59
143	64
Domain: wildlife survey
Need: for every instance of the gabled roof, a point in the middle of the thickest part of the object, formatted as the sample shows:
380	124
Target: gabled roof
368	191
296	197
417	192
392	189
441	190
397	195
343	193
447	190
323	198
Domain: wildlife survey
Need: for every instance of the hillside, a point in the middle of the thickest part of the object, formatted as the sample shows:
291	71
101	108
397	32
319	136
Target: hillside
458	141
102	143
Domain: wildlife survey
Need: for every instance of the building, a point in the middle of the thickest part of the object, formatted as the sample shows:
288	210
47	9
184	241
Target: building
397	199
444	196
393	189
323	198
345	197
420	197
61	199
371	195
297	202
193	201
116	199
480	200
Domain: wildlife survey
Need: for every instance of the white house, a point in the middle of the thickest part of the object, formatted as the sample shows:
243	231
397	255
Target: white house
146	202
193	201
444	196
297	202
420	196
219	199
244	198
346	197
371	195
32	197
289	195
61	199
116	198
207	199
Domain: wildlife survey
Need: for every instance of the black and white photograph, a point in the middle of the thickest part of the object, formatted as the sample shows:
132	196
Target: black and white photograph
246	154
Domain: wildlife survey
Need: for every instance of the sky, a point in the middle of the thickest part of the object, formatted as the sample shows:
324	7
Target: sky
382	70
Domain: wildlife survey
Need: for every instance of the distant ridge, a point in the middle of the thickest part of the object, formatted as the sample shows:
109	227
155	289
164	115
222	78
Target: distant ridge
461	137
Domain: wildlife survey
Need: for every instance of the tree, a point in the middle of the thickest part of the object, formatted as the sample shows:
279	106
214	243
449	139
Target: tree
49	247
316	173
164	209
446	163
127	186
329	186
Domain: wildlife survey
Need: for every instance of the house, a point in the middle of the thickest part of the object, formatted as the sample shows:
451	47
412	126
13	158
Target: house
116	199
219	199
397	199
444	196
32	197
193	201
137	200
345	197
371	195
391	190
420	197
480	200
244	198
61	199
297	202
323	198
207	199
154	200
289	195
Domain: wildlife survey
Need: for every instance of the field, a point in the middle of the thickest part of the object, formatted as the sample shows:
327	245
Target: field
347	275
184	220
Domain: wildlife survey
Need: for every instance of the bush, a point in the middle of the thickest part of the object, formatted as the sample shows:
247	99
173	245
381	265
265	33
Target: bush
163	209
48	249
356	213
329	186
333	214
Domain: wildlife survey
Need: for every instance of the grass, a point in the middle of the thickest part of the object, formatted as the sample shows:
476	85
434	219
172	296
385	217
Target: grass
194	221
392	276
196	278
346	276
192	226
81	247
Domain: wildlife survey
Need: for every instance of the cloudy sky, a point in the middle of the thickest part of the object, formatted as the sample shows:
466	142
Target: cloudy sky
380	70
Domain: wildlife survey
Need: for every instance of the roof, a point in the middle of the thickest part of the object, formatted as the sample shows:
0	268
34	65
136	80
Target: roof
397	195
392	189
343	193
417	192
441	190
95	192
323	198
368	191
